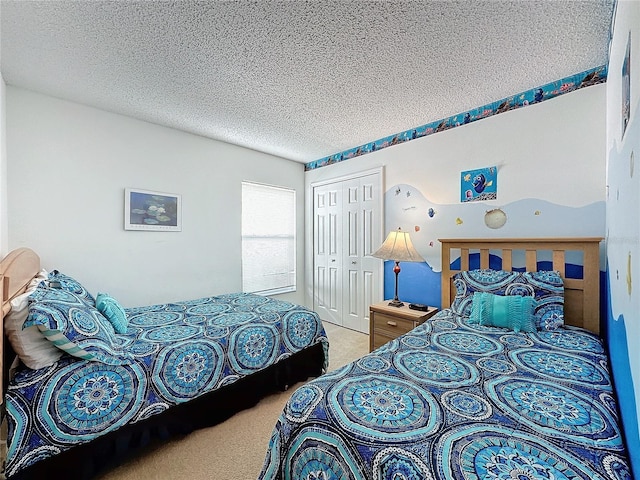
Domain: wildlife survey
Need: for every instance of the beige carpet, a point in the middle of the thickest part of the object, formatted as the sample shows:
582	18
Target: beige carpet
236	448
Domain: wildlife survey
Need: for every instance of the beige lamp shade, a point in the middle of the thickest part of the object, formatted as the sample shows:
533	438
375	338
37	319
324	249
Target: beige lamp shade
398	247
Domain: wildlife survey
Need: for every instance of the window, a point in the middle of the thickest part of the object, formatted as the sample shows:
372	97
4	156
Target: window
268	239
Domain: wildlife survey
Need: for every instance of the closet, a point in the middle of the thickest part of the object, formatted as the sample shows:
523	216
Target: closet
347	229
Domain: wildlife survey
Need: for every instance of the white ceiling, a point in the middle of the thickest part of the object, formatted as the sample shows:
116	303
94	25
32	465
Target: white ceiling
301	80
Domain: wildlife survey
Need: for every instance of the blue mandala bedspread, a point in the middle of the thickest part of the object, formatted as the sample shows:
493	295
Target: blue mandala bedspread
452	400
180	351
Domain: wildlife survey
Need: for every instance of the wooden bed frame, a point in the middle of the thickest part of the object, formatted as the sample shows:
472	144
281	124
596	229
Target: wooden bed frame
16	271
582	296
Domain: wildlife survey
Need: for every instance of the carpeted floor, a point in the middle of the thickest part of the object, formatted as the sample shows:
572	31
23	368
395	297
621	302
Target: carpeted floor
236	448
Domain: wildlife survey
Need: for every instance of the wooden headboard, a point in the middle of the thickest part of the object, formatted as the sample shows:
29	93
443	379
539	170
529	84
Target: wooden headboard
16	271
582	296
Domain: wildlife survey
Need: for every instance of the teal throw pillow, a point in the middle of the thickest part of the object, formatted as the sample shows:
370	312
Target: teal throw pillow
110	308
514	312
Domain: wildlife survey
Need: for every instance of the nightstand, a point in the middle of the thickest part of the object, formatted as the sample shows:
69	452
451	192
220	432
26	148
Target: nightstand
387	323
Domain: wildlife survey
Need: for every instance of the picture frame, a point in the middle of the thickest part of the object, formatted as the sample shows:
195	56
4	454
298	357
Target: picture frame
149	210
626	87
479	185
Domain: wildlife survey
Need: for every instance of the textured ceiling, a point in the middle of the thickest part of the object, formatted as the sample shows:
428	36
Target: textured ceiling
301	80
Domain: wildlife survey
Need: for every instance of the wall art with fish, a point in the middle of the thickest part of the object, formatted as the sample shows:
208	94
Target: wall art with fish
479	185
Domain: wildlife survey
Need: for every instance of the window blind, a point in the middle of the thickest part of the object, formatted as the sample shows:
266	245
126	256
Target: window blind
268	239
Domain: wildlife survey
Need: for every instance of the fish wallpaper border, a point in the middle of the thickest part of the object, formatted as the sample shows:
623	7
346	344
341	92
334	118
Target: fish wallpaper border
530	97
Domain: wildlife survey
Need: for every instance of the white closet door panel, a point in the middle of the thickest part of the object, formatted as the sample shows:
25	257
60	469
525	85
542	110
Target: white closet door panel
352	192
319	249
353	316
334	257
333	197
370	293
327	300
334	293
352	305
368	190
321	235
353	237
348	218
369	237
334	234
321	286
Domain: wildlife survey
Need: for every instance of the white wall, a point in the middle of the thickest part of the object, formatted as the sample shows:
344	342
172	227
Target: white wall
623	223
3	167
552	151
67	168
3	171
539	150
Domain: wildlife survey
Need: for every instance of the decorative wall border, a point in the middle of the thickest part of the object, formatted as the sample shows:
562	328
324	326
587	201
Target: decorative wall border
546	92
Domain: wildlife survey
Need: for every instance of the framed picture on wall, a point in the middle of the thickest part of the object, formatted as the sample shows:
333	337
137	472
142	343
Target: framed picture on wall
152	211
479	185
626	87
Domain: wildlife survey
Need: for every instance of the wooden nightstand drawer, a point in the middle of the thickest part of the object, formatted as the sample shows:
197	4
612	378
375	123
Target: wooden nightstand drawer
388	323
380	339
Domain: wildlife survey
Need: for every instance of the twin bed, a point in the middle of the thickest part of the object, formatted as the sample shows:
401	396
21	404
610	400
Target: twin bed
455	398
176	367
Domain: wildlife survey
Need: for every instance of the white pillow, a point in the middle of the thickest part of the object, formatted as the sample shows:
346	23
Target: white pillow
31	346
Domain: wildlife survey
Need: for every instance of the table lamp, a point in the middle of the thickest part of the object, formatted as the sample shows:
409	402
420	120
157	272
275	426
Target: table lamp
398	247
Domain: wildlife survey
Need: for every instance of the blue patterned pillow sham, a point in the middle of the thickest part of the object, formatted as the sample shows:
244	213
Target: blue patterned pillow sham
75	327
546	287
70	284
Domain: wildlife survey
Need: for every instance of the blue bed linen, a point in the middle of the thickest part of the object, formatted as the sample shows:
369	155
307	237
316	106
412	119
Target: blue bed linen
452	400
181	351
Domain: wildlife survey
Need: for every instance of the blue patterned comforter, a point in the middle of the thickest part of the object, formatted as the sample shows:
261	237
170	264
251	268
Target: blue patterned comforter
450	400
182	350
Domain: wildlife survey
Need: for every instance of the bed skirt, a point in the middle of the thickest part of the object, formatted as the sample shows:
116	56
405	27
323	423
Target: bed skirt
105	452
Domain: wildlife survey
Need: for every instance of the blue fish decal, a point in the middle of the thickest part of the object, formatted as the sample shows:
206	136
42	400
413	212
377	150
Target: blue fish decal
480	183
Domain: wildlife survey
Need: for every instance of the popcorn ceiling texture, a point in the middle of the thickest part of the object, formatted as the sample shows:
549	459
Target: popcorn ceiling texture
300	80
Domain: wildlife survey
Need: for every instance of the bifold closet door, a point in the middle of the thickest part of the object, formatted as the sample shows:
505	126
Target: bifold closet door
347	230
